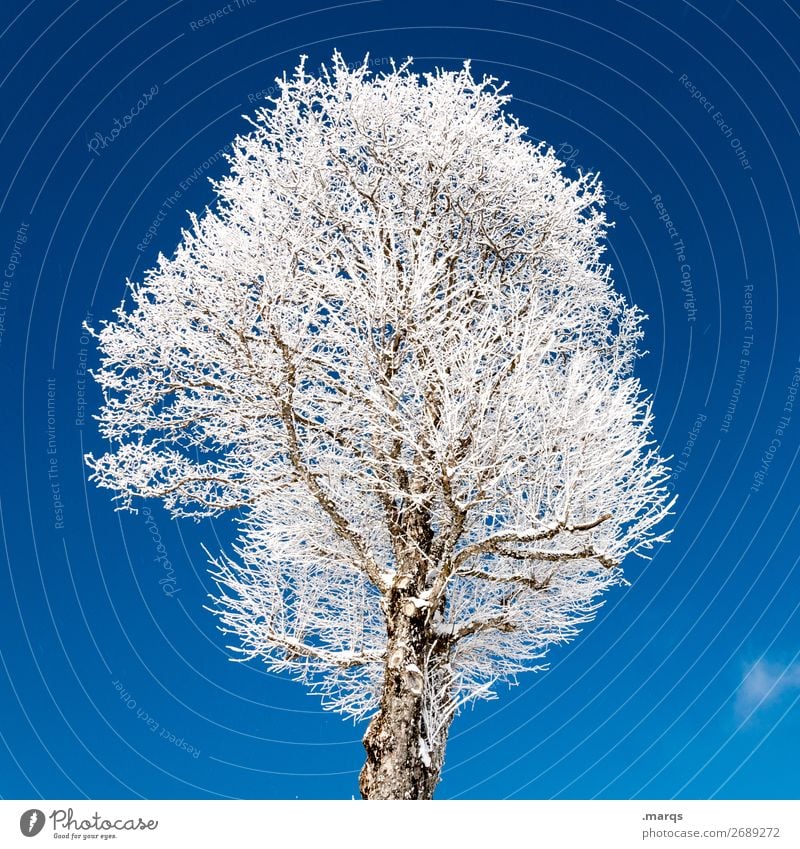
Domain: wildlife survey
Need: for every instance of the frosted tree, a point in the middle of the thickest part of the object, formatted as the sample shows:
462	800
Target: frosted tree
394	351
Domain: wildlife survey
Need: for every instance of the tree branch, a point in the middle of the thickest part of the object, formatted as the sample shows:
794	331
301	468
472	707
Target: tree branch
342	527
527	580
344	660
477	626
491	544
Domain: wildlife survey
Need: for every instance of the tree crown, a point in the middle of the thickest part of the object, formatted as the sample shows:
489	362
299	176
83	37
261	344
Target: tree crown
394	347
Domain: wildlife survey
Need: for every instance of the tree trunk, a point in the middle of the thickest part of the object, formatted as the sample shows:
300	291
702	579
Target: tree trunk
405	755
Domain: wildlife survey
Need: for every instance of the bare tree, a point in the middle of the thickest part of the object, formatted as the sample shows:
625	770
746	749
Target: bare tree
394	349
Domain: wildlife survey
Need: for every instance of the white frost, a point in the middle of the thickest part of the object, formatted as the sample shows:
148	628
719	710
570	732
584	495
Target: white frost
395	325
424	752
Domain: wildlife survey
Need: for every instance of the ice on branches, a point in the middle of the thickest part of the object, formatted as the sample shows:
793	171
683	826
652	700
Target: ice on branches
394	347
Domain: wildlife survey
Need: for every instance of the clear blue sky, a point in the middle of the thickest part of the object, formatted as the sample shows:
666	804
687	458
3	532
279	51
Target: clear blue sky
687	685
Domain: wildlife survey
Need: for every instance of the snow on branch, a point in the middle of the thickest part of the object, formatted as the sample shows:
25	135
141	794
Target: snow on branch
395	348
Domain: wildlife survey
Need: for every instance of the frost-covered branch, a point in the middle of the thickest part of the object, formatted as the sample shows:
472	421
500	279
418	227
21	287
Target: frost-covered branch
395	348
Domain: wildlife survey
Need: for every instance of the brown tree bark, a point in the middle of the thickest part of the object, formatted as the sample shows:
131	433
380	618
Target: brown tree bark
404	756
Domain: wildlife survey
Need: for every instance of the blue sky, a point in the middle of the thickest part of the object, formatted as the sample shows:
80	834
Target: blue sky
114	681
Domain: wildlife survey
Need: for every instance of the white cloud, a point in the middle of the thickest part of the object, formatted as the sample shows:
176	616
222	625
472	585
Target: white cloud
764	683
